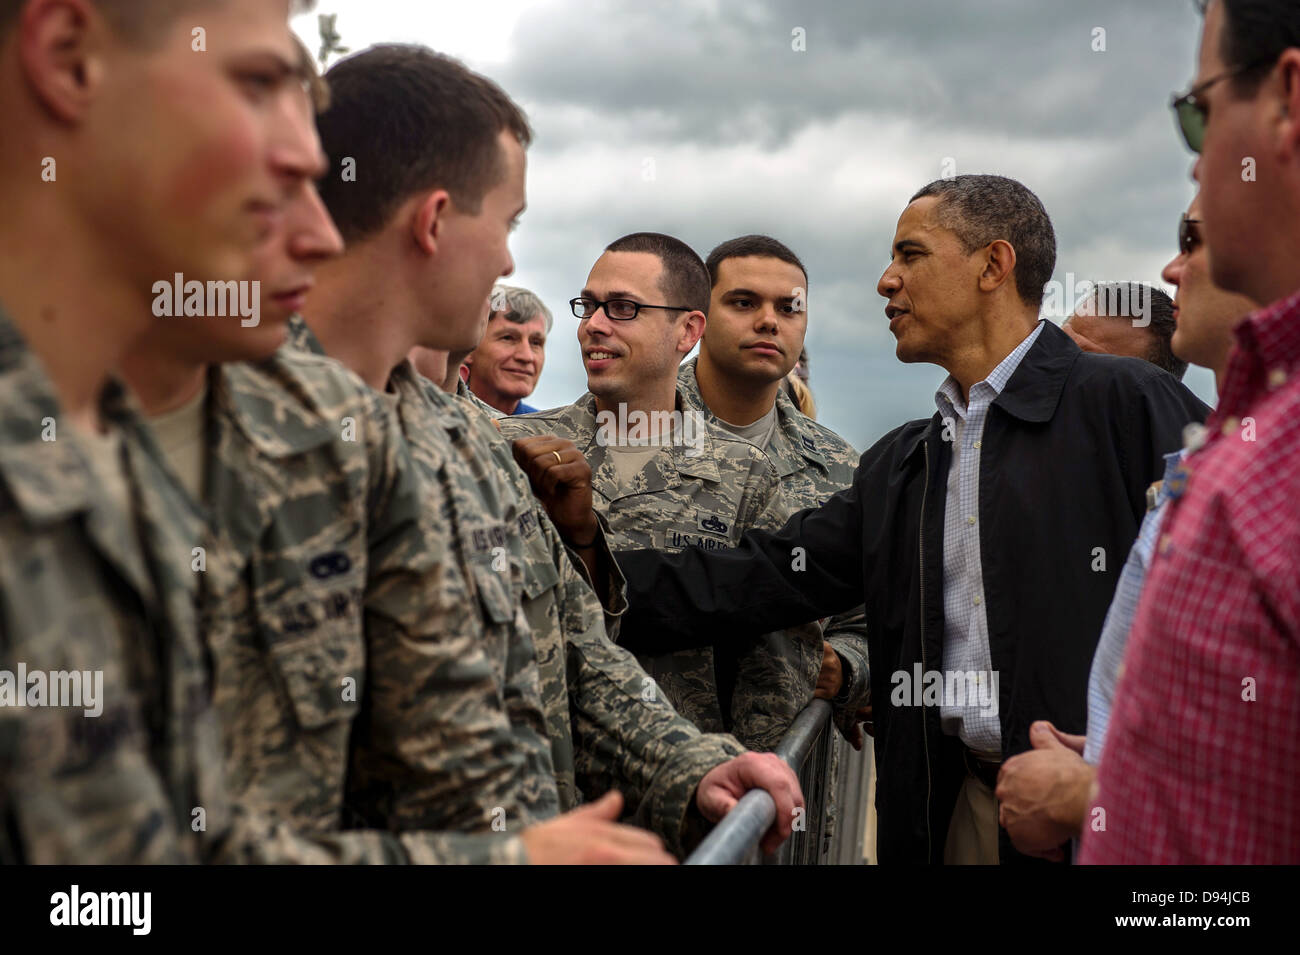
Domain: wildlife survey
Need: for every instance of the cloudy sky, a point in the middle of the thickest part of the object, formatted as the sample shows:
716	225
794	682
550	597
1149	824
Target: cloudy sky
699	118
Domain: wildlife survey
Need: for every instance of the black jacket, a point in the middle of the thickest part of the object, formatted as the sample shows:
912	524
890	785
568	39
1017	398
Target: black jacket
1069	449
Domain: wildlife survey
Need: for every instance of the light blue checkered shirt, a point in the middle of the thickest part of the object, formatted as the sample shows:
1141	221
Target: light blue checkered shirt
1108	660
965	624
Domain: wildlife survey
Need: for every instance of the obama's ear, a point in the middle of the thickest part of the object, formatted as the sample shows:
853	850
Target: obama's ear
999	263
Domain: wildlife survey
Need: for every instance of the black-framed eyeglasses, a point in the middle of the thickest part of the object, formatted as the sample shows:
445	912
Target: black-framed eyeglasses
1190	109
1189	238
618	309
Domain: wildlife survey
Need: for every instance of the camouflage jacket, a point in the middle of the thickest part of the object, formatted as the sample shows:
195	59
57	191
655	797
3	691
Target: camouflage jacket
335	608
487	427
707	490
813	463
474	401
142	779
605	730
86	587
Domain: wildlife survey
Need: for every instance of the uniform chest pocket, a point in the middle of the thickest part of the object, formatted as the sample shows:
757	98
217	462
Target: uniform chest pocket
531	548
539	573
499	610
494	593
317	648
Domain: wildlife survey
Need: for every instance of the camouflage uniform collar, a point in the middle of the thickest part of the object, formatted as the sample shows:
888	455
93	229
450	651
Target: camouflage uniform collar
684	465
795	441
50	479
237	388
41	465
792	444
462	391
302	338
403	377
406	380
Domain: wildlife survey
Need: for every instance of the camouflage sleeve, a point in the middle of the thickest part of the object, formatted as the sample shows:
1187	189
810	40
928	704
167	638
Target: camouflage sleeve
77	790
515	427
615	583
847	635
255	838
259	840
433	749
512	428
670	810
625	734
496	848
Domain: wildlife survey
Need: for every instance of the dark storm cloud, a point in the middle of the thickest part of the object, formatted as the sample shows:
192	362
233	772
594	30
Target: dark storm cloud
823	148
710	72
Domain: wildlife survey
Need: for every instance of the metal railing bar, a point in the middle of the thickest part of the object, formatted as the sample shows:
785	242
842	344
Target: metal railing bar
739	833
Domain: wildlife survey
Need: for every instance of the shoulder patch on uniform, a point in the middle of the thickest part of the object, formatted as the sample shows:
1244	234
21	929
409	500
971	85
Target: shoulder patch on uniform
330	565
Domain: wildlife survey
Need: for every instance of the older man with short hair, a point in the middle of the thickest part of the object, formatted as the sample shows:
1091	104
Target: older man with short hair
504	368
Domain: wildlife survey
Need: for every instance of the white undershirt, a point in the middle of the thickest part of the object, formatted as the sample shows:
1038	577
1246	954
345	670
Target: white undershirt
630	460
180	434
759	434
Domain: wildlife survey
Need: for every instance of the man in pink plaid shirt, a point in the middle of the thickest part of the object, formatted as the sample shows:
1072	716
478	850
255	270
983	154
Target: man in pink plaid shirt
1202	761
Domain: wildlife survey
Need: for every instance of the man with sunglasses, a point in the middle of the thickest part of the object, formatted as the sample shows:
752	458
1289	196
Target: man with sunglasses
1044	793
666	477
1202	757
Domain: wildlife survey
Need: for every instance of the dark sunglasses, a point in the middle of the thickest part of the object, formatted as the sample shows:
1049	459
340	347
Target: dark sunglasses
1190	108
1189	235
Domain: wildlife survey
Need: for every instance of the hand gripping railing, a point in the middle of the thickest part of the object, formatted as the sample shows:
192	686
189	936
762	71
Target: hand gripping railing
737	835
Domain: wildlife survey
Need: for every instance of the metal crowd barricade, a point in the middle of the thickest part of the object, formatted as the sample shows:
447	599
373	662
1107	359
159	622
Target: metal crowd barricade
809	748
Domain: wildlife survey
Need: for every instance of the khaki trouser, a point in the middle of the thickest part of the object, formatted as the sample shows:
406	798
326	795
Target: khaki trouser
973	832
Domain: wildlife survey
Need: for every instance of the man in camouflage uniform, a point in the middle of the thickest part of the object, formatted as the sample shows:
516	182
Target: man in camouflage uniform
578	645
95	538
350	679
692	484
757	320
535	562
755	335
94	584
